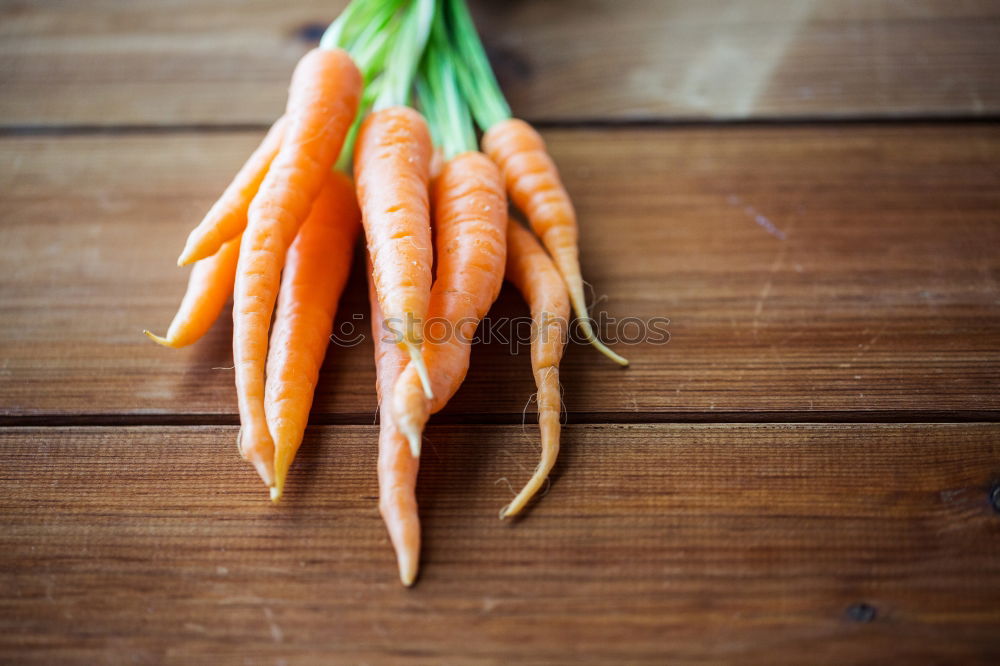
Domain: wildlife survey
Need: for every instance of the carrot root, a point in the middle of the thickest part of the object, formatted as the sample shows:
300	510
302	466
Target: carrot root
263	465
531	488
397	468
535	187
398	507
266	471
417	358
588	332
412	437
535	275
158	340
549	410
228	216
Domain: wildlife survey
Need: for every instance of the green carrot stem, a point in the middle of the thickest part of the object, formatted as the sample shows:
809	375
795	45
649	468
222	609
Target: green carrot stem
367	29
475	76
346	160
440	96
401	64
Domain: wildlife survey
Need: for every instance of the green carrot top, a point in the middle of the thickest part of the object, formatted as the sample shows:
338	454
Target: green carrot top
475	76
439	94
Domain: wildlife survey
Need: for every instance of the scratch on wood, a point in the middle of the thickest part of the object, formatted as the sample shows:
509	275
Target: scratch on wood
277	635
766	289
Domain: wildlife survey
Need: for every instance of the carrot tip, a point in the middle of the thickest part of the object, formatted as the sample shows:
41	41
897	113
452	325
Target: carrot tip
407	559
185	258
265	472
275	493
601	347
515	507
588	331
418	361
407	577
158	340
413	438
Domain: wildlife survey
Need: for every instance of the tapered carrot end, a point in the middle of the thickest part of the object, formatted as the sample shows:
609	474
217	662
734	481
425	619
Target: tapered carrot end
405	539
407	567
281	465
414	438
194	249
580	308
158	340
187	257
601	347
516	506
399	511
266	471
417	358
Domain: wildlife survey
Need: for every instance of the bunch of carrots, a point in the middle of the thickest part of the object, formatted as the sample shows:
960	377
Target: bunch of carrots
391	95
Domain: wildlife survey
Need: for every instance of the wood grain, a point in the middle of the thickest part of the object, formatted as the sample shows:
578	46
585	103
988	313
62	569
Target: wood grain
808	273
149	62
754	544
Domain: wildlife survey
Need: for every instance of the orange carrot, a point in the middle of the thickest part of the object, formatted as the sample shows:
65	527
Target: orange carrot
322	102
470	216
397	468
391	164
531	270
534	185
209	287
228	216
315	273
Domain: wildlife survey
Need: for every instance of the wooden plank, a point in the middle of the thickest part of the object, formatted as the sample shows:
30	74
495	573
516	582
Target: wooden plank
752	544
228	61
804	271
650	59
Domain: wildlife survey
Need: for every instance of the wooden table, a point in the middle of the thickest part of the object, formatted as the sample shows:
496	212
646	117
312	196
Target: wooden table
809	472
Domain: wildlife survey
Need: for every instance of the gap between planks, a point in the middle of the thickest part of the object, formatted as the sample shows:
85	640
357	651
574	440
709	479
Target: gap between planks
679	122
579	418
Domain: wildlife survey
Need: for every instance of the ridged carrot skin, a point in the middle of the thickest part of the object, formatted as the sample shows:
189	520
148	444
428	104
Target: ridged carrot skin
392	169
209	287
531	270
470	218
535	187
315	272
397	467
227	218
322	102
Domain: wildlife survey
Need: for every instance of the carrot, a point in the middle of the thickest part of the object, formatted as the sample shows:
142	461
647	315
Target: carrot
470	215
228	216
531	270
397	468
534	185
532	177
315	273
392	165
322	101
469	221
209	287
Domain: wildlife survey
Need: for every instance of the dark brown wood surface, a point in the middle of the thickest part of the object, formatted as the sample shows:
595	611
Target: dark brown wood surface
149	62
750	544
808	472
